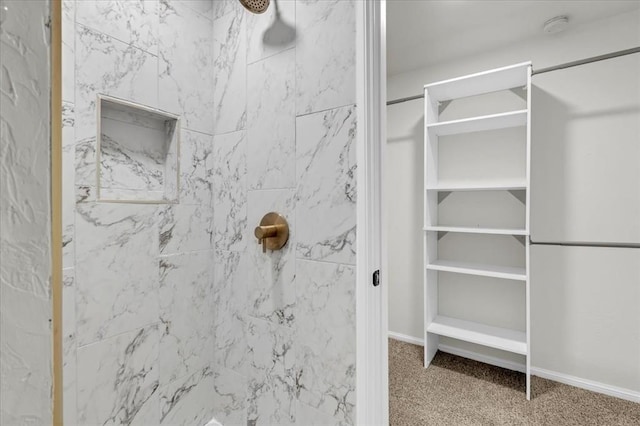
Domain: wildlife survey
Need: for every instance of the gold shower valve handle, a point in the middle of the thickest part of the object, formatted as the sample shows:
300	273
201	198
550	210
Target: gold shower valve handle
273	232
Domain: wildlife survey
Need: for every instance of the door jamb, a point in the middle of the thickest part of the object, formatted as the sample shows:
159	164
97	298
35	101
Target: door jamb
372	389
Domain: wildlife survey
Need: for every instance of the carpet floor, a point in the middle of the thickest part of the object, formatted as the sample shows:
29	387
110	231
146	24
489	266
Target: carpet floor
459	391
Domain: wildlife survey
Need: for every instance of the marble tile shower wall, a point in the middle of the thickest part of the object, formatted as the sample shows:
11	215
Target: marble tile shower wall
138	278
284	140
155	332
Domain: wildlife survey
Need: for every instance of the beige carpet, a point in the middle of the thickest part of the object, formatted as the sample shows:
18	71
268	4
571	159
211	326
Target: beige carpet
459	391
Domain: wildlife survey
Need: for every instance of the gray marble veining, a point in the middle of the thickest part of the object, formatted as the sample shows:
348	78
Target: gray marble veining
188	400
133	76
230	399
116	269
185	65
230	190
326	54
272	290
271	122
133	22
118	379
68	182
326	169
230	72
326	336
196	168
273	381
230	315
186	303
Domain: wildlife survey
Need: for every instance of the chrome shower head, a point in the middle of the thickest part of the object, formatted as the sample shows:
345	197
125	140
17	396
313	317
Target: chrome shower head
255	6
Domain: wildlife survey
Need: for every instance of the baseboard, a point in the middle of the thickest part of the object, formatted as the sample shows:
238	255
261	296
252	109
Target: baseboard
577	382
590	385
406	338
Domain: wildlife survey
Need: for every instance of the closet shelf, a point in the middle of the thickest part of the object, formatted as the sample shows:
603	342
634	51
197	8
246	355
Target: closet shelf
478	124
483	270
506	185
473	230
481	334
483	82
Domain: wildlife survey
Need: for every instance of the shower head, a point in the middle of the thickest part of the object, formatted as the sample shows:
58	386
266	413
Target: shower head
255	6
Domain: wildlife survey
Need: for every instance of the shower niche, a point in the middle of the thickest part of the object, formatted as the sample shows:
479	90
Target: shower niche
137	153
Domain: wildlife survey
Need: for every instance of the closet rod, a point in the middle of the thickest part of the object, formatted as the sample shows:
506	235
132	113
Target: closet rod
588	60
548	69
595	245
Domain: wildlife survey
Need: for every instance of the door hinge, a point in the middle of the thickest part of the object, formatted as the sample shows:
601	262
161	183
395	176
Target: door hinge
376	278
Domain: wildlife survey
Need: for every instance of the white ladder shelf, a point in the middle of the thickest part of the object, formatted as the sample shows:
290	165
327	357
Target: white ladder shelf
515	341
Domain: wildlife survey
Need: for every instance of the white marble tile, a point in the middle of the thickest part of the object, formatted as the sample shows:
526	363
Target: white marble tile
68	50
325	321
189	400
309	416
222	7
271	32
185	65
326	170
230	314
326	54
69	377
230	189
230	72
118	380
134	22
116	269
186	312
185	228
271	122
196	168
132	157
203	7
105	65
230	399
68	182
272	388
272	289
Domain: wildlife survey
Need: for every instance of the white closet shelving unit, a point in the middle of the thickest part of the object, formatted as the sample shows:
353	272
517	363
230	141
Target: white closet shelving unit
515	341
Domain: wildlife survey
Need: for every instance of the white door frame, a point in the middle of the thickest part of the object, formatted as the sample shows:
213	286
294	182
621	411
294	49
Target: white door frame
372	383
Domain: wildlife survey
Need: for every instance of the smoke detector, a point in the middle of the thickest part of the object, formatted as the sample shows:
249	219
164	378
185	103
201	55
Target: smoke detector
556	24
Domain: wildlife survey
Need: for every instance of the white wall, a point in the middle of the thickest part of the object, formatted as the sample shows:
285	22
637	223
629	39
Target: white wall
619	110
25	246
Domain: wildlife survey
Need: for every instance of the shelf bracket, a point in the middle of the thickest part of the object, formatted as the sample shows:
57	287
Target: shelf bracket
521	239
520	92
442	195
442	105
520	194
442	234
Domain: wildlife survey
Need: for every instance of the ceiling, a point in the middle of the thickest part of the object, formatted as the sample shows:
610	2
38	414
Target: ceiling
425	32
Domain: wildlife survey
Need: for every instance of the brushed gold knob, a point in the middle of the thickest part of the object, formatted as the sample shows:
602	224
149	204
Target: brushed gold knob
273	232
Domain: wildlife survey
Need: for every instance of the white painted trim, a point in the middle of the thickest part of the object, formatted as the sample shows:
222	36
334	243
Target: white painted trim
626	394
372	388
406	338
617	392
